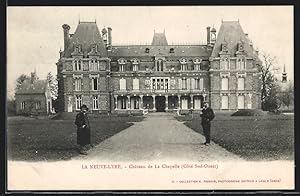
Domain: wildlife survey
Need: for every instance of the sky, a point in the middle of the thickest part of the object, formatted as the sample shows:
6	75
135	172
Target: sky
35	34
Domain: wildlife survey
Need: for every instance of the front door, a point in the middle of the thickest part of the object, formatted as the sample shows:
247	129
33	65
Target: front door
160	103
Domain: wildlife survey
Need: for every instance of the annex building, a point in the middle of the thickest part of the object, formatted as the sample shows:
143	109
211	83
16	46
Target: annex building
159	77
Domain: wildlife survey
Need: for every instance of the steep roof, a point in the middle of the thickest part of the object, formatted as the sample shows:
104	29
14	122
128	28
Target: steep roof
159	39
231	32
37	87
86	34
179	51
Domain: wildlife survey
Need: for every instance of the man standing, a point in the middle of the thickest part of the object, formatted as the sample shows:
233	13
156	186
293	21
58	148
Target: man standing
83	130
206	116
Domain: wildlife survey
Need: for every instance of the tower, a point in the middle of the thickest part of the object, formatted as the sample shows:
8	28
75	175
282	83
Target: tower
284	75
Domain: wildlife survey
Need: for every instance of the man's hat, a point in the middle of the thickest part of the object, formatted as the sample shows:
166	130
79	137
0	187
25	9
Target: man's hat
205	101
84	106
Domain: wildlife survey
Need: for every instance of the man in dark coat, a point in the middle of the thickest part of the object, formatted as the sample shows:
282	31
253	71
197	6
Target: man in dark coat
83	130
206	117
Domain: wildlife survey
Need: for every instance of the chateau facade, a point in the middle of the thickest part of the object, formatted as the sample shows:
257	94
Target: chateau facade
159	77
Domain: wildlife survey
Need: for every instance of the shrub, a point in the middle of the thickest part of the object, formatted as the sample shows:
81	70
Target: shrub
248	112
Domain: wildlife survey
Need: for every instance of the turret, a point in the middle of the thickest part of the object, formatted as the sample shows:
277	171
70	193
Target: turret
66	29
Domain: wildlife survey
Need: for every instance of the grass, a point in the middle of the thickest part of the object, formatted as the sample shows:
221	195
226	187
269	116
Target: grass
268	137
44	139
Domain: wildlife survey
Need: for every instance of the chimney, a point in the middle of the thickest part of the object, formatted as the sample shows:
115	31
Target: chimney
66	28
109	38
208	35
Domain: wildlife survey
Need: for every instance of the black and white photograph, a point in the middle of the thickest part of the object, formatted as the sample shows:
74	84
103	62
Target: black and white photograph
150	97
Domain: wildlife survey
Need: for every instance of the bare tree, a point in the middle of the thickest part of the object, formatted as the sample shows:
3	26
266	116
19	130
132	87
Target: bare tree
269	88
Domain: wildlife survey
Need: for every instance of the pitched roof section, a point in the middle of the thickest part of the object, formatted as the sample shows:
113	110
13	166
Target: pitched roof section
159	39
231	32
37	87
179	51
86	34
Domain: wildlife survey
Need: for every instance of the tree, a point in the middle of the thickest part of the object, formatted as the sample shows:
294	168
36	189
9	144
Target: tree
287	95
53	85
269	88
20	80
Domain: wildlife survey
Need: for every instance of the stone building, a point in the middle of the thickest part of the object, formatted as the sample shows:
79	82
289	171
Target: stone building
159	77
33	97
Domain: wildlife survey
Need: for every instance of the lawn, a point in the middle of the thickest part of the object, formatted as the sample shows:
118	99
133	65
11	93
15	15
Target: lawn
268	137
45	139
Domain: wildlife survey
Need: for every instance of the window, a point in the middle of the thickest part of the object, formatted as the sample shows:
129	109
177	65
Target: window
224	64
241	64
135	67
78	84
135	84
95	102
166	84
38	105
184	103
199	83
171	50
77	65
94	65
122	67
241	102
159	65
94	84
241	83
197	103
184	83
183	67
122	84
78	102
153	83
197	67
22	105
147	50
225	83
225	102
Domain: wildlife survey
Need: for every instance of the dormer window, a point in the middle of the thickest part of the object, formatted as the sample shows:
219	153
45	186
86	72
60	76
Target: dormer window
77	48
122	63
171	50
94	48
183	63
135	63
147	50
240	47
197	64
224	47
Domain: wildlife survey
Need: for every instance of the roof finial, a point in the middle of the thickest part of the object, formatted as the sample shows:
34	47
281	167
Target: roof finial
284	68
154	30
95	20
164	31
222	20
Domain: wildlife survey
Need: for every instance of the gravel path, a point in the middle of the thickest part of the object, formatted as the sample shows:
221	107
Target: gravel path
159	137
